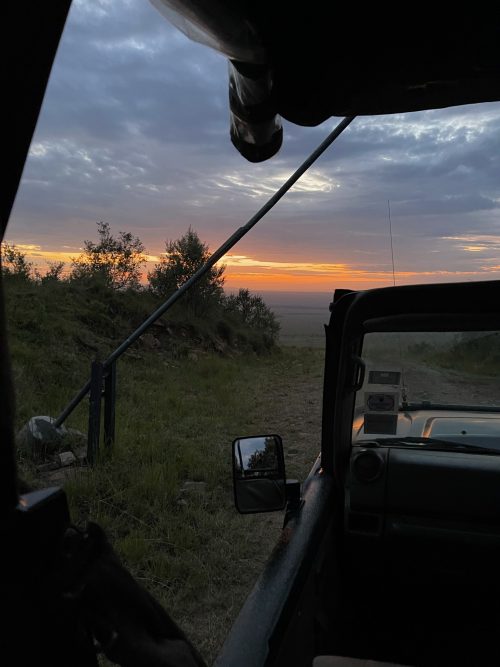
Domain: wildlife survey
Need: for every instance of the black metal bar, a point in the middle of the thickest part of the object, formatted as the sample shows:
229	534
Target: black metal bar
231	241
8	474
217	255
96	376
73	404
109	406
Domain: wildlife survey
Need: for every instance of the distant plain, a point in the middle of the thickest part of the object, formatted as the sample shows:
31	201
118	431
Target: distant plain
302	316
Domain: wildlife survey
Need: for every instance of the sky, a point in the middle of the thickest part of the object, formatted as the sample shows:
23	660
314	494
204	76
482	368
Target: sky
134	131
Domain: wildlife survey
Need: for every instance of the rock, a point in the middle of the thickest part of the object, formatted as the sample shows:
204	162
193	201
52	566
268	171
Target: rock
67	459
74	439
150	341
47	467
39	437
133	355
81	454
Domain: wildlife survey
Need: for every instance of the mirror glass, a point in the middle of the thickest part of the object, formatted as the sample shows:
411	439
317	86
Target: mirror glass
259	474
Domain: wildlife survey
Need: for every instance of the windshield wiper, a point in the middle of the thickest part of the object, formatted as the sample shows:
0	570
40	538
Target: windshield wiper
435	443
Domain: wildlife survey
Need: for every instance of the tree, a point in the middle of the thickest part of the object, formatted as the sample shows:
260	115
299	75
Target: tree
181	260
52	275
14	262
253	312
264	459
115	261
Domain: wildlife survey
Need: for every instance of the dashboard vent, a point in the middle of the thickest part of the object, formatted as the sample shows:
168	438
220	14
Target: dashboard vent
367	466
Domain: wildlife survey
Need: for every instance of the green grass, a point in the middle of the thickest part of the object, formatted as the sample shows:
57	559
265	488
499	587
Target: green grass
472	353
478	355
176	424
176	418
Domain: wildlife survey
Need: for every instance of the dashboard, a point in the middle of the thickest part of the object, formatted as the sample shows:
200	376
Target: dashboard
413	492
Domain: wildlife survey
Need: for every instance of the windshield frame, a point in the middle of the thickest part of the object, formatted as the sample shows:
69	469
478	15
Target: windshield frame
399	369
438	307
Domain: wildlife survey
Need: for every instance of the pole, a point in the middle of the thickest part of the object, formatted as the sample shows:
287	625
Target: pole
217	255
93	435
109	406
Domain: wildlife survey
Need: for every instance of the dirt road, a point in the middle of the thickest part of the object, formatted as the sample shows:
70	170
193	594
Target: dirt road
294	411
440	385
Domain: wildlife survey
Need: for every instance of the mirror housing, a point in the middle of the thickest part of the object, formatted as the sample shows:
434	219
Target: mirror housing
259	474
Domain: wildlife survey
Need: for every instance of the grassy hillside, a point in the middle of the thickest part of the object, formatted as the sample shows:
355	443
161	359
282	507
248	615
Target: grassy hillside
477	354
183	395
71	324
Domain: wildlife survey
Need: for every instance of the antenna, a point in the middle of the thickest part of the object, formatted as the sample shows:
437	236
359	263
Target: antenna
392	247
404	394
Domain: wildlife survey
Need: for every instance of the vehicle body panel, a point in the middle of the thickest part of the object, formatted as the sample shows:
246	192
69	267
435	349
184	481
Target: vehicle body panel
277	622
457	425
408	533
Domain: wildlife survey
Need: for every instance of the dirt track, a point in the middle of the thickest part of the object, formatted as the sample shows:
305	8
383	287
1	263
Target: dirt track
295	412
296	406
441	385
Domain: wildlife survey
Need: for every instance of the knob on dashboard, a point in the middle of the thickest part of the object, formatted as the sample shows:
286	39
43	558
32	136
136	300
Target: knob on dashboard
367	465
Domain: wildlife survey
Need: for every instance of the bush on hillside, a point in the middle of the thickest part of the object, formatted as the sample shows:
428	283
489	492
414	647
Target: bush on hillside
251	310
470	352
97	314
114	261
180	262
14	263
53	274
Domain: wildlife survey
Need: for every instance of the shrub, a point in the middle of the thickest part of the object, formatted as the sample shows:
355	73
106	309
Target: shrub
14	263
114	261
180	262
53	274
254	314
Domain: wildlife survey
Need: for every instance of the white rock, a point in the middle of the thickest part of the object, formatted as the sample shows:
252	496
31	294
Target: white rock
39	437
67	458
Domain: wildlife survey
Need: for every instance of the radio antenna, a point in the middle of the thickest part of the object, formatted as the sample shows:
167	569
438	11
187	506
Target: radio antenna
392	246
404	394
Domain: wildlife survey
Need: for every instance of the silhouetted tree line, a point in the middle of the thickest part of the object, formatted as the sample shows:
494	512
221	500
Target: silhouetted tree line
117	263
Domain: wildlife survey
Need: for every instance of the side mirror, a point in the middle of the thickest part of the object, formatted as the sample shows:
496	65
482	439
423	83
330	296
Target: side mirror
259	474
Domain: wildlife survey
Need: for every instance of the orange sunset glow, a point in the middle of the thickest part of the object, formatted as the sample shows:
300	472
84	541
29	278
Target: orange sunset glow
261	275
134	132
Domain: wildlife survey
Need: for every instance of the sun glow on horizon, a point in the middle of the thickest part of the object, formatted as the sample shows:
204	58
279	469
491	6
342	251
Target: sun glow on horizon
243	271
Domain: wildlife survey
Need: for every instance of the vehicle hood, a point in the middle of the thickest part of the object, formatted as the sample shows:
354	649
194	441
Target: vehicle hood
453	424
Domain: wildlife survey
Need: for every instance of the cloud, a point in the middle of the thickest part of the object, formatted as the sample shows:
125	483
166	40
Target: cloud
134	130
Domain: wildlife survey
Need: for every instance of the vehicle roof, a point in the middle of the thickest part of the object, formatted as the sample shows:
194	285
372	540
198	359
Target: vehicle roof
333	59
354	59
306	62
